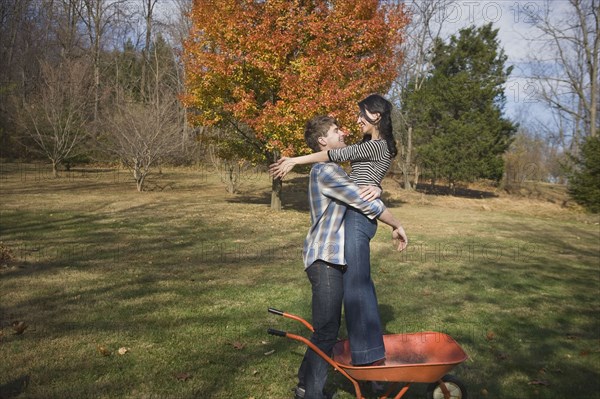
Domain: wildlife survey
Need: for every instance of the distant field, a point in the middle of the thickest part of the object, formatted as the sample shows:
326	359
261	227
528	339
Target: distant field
180	277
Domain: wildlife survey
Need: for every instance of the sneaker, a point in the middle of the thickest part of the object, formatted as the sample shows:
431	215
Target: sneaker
300	391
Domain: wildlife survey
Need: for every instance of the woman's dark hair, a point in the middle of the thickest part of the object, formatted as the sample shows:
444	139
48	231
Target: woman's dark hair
375	103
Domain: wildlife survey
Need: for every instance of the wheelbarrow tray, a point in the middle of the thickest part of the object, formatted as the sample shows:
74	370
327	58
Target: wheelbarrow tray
417	357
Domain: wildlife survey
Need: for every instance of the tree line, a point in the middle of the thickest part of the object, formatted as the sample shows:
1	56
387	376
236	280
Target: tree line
85	80
129	81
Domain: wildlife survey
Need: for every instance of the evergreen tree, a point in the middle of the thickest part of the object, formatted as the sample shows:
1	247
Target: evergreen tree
584	182
459	127
127	70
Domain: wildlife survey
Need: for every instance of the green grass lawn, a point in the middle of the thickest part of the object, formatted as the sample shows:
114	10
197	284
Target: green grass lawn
182	278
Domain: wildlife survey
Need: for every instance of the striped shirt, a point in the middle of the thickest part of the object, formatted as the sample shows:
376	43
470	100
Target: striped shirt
330	190
370	161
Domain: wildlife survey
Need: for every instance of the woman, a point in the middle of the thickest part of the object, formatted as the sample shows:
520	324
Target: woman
370	161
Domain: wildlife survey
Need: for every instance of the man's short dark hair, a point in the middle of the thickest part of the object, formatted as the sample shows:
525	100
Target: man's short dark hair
317	127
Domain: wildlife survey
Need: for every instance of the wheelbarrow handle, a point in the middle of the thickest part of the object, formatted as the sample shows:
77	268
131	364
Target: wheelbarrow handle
320	353
275	311
293	317
276	332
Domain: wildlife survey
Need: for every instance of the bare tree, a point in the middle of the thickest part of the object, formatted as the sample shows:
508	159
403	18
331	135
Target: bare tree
176	26
142	134
427	20
99	17
148	10
24	27
230	171
566	57
56	114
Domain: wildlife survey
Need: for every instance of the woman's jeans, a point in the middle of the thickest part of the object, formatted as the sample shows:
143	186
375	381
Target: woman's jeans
327	294
360	301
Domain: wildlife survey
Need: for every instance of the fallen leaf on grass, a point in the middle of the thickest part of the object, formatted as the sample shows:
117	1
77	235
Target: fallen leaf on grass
19	327
122	351
238	345
539	382
183	376
270	352
490	336
103	350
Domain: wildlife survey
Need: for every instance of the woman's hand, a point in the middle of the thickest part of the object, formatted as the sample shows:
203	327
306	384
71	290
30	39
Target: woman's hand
369	193
399	234
282	167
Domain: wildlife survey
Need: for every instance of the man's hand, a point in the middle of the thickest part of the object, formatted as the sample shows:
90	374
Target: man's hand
282	167
399	234
370	193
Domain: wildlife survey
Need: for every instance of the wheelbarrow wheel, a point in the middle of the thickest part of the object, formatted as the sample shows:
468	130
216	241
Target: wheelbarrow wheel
453	384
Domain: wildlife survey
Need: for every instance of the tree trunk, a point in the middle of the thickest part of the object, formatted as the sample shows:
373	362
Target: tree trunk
231	178
276	194
97	67
140	184
145	58
54	169
407	159
416	179
139	181
138	176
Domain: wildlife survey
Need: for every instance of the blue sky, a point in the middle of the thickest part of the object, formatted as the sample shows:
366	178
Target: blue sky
516	27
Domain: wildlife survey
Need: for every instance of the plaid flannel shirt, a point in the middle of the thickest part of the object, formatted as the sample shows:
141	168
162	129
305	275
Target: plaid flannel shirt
330	191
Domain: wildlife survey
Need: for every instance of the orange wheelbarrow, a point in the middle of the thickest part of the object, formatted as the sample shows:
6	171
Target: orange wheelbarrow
423	357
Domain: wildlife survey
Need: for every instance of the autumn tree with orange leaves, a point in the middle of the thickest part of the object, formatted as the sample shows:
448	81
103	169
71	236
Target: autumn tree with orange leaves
260	69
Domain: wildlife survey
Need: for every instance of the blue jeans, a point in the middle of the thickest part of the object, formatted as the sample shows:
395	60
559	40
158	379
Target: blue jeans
360	301
327	295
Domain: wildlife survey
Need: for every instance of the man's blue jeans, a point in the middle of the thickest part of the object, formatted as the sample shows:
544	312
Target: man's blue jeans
360	301
327	295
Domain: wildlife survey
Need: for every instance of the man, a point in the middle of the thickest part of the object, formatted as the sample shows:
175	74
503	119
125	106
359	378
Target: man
330	192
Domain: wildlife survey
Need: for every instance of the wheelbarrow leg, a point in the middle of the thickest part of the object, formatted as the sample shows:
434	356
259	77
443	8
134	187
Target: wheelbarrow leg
392	388
389	391
402	391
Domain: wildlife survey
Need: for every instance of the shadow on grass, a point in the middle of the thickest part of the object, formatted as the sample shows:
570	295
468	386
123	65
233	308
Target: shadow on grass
187	303
455	192
295	196
14	388
142	274
546	321
142	311
387	314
